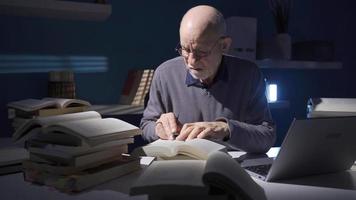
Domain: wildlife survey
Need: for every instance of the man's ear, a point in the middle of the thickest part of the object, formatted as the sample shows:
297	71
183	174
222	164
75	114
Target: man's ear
226	44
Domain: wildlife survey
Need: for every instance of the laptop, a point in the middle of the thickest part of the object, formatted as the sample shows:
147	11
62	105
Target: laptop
311	146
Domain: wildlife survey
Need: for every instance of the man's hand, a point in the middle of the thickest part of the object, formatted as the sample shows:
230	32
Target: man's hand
216	130
167	125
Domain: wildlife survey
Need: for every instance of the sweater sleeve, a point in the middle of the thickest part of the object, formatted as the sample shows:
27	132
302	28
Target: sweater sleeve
153	110
256	132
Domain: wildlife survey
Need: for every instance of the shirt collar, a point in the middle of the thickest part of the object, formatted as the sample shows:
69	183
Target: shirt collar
221	75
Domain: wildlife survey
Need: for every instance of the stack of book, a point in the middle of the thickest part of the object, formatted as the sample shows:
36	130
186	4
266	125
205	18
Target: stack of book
22	111
72	152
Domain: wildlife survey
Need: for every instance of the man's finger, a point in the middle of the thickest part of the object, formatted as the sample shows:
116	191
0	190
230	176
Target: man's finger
184	132
160	131
205	133
172	123
193	134
166	126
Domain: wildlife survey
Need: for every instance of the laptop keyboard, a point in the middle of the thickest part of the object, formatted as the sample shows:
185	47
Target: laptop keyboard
259	169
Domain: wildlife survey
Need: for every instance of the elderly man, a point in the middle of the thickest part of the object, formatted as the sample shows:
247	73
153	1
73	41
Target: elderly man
206	94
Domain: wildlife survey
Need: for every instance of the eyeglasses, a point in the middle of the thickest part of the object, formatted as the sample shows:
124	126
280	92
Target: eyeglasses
198	54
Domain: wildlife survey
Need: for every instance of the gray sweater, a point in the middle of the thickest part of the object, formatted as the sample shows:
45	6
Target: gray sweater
237	95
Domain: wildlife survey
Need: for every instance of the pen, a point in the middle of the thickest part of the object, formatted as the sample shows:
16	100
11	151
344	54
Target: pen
175	133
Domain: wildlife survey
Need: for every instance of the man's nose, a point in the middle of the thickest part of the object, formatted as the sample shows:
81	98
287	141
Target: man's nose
192	59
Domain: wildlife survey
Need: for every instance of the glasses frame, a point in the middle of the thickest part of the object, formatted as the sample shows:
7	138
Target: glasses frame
197	53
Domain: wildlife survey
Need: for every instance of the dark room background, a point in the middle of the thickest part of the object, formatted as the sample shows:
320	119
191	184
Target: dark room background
143	34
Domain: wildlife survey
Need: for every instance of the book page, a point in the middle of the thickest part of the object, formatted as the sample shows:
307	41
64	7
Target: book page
46	121
171	177
196	148
63	103
225	173
200	148
68	117
30	105
162	148
94	128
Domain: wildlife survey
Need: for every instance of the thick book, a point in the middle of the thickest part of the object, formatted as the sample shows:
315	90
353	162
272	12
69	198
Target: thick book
83	179
57	167
29	105
175	149
40	147
46	107
58	158
219	174
331	107
76	129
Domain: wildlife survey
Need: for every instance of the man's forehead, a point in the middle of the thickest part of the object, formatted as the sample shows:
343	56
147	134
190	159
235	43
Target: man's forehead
197	39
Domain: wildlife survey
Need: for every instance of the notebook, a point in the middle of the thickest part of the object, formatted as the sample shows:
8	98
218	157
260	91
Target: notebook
311	146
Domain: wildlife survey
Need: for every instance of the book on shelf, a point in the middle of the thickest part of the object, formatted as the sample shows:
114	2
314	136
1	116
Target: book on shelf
218	176
76	129
331	107
175	149
81	180
136	87
61	84
11	159
28	108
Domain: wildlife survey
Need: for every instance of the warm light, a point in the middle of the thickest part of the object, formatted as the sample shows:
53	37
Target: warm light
272	92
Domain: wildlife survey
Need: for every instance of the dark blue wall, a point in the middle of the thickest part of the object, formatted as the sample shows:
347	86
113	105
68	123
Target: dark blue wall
143	34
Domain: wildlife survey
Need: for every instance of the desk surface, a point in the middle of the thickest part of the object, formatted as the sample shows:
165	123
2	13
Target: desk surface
14	187
332	186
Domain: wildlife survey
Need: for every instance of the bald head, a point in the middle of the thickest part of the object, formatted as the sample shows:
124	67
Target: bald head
203	42
202	23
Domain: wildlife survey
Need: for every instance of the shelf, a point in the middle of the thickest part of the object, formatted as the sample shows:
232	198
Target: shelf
294	64
56	9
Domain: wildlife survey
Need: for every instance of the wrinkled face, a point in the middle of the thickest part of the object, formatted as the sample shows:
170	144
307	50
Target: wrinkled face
202	55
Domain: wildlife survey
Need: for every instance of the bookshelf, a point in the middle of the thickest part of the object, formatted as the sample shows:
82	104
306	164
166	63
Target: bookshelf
56	9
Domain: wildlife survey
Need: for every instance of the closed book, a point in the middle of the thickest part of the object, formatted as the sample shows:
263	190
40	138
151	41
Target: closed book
41	147
331	107
69	159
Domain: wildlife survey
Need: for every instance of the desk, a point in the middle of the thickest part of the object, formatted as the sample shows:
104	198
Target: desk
341	186
14	187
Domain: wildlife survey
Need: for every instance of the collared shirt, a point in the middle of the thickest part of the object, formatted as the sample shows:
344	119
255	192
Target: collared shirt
236	95
221	75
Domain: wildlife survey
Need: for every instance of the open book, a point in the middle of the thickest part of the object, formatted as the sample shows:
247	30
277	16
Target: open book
331	107
46	106
219	175
76	129
173	149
